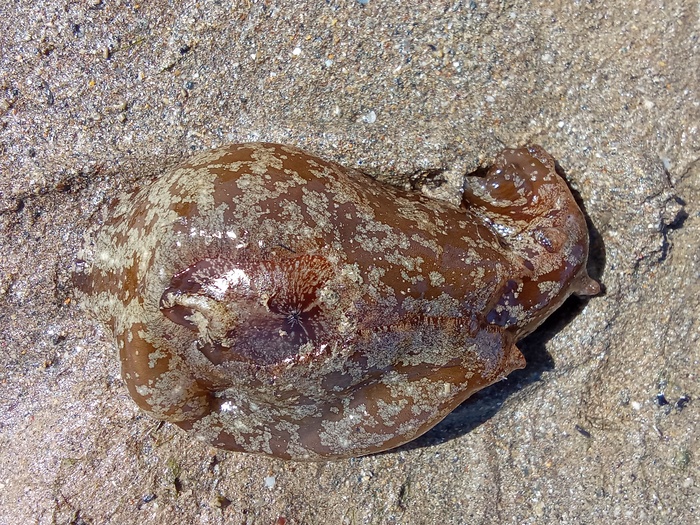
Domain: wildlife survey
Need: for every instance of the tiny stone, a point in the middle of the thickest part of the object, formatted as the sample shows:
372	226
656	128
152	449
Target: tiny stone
370	118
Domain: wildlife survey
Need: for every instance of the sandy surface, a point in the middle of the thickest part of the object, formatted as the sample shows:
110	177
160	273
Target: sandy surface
98	95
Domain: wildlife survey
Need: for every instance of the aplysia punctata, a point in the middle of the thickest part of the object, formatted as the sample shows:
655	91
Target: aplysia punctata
269	301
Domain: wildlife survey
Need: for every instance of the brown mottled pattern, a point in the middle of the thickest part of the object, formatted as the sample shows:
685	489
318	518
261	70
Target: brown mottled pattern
272	302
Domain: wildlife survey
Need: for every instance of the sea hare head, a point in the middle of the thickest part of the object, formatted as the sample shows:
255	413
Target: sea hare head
537	218
271	302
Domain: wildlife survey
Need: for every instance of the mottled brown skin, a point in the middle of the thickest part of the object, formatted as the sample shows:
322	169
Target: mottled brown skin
272	302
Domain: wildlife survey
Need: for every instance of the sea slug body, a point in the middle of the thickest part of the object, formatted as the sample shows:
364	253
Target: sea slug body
269	301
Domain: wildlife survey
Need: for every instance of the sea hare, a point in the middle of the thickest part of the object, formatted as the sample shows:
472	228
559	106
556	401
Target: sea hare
269	301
